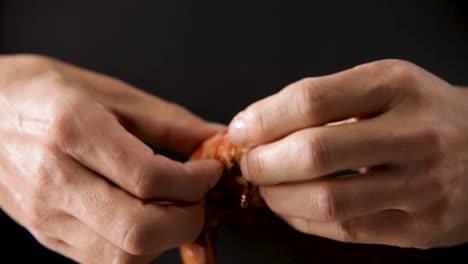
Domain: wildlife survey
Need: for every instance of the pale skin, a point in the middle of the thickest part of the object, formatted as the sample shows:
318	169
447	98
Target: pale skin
75	170
408	137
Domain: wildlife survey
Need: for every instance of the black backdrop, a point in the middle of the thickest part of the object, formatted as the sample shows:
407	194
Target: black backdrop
216	57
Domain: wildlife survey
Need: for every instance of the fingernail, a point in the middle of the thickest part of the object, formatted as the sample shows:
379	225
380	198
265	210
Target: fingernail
237	130
244	170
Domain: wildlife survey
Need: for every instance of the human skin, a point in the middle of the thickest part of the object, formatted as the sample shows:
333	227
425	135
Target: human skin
75	170
408	138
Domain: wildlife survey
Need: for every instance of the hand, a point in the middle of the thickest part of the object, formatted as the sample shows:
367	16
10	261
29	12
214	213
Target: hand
74	174
410	143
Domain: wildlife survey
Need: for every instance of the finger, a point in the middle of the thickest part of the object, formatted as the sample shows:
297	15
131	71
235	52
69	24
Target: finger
168	125
91	245
62	248
25	209
334	199
314	152
136	227
35	221
152	119
361	91
104	146
390	227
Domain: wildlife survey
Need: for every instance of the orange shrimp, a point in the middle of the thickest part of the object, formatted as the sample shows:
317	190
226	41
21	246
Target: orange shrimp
230	194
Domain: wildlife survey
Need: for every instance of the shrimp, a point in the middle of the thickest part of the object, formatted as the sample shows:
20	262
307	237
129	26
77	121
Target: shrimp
230	194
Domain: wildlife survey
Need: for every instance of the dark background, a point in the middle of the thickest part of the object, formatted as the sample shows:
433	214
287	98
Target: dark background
216	57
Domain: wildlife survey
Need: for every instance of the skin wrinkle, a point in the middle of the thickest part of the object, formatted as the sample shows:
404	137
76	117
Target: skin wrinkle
311	97
405	115
43	90
54	115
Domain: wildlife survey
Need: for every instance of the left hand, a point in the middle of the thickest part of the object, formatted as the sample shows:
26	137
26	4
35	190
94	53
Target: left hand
75	170
411	138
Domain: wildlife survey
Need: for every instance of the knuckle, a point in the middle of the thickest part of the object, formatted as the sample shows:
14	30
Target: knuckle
431	135
401	72
347	232
311	99
255	166
317	154
143	183
135	240
429	138
64	129
47	174
35	59
42	184
42	68
38	218
49	75
393	75
48	242
326	204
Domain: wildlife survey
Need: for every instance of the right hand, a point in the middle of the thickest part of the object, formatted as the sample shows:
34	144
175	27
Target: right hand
73	173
